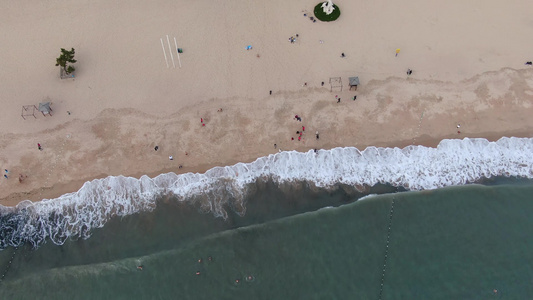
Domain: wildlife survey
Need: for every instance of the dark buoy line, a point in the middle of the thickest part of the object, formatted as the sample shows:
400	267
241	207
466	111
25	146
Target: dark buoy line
9	265
386	250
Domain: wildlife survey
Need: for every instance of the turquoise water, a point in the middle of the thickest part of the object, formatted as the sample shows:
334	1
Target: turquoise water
451	243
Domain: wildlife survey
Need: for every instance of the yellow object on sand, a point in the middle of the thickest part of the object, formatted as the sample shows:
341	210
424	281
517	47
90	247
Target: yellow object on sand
397	50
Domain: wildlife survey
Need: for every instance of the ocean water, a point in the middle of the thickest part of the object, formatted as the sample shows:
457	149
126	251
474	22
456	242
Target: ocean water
289	226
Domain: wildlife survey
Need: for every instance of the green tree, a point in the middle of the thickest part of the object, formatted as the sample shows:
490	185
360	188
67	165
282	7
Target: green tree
64	59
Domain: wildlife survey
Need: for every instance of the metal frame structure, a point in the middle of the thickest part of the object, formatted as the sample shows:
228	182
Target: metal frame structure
335	82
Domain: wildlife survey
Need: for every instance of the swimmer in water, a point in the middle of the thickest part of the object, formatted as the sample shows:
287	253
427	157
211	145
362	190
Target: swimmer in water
140	268
198	273
210	258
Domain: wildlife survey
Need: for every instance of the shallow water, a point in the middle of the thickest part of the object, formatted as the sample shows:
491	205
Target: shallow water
451	243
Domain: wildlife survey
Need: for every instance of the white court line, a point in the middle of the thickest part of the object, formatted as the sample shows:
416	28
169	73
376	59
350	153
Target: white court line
170	50
164	52
177	52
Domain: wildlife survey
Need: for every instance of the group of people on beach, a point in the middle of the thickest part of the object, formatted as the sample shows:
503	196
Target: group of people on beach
300	133
293	38
21	176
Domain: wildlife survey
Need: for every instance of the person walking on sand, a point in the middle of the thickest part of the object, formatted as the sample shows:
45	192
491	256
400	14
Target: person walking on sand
317	136
21	178
39	147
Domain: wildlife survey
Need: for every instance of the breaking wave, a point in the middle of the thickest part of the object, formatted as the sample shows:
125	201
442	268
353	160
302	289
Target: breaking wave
453	162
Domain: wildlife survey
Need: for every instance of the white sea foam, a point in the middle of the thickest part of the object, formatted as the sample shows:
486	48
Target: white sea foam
367	197
453	162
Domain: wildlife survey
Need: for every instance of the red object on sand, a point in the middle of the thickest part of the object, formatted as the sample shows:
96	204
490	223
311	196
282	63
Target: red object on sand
201	120
300	137
292	139
203	124
303	128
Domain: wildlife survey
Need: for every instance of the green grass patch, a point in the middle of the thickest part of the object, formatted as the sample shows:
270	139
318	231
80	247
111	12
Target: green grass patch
321	15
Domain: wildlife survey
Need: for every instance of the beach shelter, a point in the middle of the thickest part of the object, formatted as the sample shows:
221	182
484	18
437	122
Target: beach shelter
45	109
354	82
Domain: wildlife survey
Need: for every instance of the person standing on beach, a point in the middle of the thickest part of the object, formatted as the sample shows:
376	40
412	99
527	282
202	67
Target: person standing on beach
22	177
39	147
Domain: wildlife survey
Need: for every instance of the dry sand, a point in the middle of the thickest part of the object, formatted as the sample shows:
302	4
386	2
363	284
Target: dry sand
467	60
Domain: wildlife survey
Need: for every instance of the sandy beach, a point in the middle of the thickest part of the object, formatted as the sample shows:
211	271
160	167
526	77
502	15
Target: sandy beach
468	62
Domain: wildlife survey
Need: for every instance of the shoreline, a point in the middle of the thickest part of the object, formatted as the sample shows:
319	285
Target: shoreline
122	141
60	189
